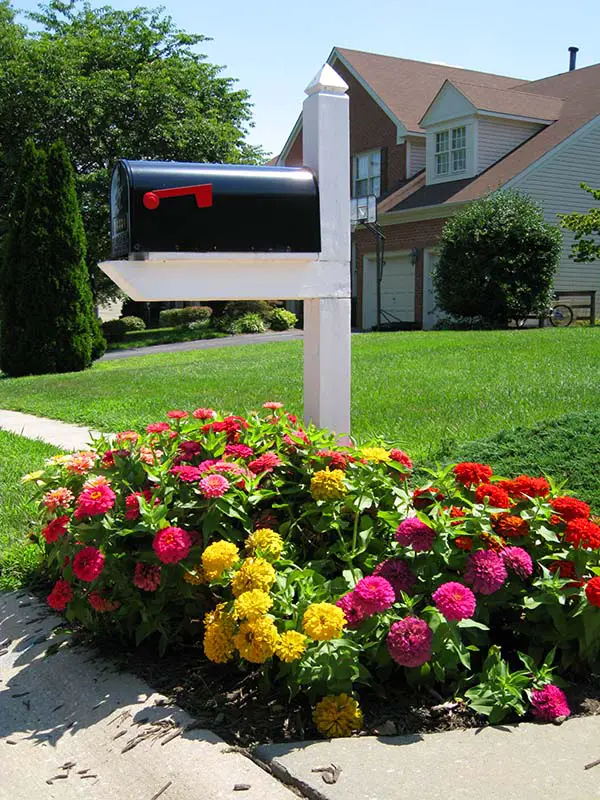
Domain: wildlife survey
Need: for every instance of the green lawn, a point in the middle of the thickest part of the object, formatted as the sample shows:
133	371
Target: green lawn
424	390
19	559
152	336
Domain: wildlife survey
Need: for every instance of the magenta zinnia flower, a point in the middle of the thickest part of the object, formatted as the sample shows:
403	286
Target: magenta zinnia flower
518	560
549	703
409	642
374	594
187	473
94	501
397	572
238	450
485	571
172	544
455	601
146	577
353	611
412	531
214	485
88	564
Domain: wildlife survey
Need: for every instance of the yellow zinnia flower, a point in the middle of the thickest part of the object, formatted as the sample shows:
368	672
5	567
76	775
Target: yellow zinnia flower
323	621
257	639
267	541
337	716
218	635
377	454
328	485
252	604
217	558
291	646
255	573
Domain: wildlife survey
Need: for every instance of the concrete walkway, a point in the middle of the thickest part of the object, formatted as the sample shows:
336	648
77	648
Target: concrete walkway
60	434
207	344
72	726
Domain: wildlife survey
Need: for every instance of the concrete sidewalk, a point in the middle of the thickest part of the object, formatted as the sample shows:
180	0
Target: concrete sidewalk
52	431
71	726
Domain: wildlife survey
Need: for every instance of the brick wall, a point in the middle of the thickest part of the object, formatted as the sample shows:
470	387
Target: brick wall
420	235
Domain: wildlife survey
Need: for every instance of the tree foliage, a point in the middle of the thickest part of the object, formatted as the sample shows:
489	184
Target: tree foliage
48	315
113	83
497	260
586	227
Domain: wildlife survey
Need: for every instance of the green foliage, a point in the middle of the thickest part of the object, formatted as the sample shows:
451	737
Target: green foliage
154	336
173	317
586	227
237	308
280	319
133	323
497	260
114	330
250	323
98	340
113	83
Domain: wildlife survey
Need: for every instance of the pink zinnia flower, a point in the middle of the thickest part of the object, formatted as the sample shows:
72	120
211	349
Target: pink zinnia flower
146	577
518	560
549	703
172	545
158	427
189	449
401	457
205	466
55	529
95	481
214	485
455	601
337	460
102	604
412	531
238	450
272	405
58	498
88	564
374	594
485	571
80	463
204	413
127	436
353	610
177	414
187	473
94	501
397	572
409	642
148	455
61	595
265	463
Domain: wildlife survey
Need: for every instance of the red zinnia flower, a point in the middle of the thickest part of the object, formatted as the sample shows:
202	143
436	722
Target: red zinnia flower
336	460
204	413
238	450
592	591
582	533
464	543
401	457
55	529
496	497
509	525
423	498
524	486
146	577
265	463
570	508
189	449
61	595
102	604
470	472
88	564
157	427
457	515
177	414
566	570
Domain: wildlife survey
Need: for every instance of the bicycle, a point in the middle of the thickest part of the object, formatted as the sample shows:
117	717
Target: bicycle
560	315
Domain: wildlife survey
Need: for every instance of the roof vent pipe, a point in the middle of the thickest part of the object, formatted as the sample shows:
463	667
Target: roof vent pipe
573	57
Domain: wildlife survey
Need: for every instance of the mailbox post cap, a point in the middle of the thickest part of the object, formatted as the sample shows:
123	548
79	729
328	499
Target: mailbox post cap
327	80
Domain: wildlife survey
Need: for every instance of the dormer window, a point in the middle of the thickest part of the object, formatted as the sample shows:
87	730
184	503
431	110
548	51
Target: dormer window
366	173
451	151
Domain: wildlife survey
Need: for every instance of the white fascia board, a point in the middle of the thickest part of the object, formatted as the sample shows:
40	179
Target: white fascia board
400	126
290	141
515	117
514	181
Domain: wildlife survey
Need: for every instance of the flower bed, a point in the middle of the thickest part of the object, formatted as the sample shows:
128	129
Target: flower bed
277	547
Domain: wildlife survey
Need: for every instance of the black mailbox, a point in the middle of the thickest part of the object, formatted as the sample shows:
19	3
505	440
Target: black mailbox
167	206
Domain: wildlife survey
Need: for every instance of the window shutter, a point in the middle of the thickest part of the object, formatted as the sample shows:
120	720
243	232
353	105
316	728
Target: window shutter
384	171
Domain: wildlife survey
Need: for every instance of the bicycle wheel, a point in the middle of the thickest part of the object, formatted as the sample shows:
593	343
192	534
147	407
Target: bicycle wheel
561	316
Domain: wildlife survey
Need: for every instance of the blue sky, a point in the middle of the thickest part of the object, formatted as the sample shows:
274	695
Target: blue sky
275	48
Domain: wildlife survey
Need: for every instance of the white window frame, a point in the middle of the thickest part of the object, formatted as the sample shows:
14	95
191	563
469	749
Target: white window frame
448	154
372	179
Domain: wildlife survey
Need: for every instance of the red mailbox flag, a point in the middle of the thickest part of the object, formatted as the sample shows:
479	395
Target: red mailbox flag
202	193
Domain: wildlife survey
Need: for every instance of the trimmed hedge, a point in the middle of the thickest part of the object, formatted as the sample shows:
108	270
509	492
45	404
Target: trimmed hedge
180	317
133	323
282	320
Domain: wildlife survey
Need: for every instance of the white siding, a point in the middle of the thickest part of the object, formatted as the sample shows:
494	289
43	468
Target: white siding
497	137
555	185
448	105
416	158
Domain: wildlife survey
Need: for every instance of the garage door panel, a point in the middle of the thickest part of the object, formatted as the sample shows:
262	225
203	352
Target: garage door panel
397	292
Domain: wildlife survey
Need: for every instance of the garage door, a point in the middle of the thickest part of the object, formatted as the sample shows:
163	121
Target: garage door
397	291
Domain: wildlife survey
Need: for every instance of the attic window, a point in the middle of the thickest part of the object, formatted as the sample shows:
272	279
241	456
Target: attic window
451	151
366	173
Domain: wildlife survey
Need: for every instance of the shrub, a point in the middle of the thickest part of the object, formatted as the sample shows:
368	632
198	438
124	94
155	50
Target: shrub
114	330
238	308
497	260
98	341
251	323
179	317
281	319
320	563
133	324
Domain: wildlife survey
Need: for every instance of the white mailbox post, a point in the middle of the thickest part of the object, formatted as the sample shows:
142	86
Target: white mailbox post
321	280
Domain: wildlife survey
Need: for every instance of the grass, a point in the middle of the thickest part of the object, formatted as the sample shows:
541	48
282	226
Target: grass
152	336
19	558
427	391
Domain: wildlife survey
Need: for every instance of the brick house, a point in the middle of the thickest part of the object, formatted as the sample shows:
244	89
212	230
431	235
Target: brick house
426	139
